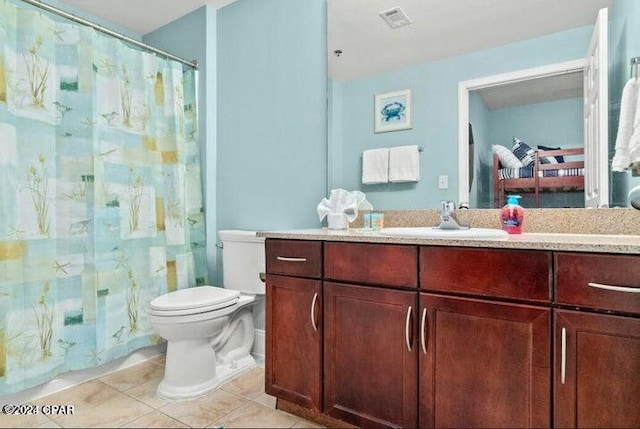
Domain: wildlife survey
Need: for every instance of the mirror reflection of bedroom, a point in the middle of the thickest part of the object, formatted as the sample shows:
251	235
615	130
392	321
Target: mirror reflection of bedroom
528	140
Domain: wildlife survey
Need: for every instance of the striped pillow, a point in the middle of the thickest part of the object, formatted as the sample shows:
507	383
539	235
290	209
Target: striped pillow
550	159
523	152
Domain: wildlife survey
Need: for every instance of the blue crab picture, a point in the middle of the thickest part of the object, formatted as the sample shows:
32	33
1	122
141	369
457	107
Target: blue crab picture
393	111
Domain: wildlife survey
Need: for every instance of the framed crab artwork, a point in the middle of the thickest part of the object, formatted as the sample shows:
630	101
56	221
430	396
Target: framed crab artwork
392	111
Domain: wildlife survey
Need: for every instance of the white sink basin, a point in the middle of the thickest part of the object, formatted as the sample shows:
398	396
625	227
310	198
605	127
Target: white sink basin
431	232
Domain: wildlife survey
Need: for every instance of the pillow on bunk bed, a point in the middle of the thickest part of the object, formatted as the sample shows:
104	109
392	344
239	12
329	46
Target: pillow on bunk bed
550	159
523	152
506	157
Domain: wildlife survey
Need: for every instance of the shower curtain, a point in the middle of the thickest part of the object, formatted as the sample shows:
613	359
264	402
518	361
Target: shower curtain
100	196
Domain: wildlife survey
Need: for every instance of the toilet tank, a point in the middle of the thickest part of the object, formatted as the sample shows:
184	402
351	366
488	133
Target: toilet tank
242	261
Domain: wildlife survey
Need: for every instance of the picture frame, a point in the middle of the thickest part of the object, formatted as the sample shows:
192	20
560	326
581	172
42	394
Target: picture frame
392	111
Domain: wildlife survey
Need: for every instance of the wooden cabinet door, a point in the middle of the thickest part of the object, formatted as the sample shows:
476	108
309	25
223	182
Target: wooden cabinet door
370	363
483	364
597	370
293	364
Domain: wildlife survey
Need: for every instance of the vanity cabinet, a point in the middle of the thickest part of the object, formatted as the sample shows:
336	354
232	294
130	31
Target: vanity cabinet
431	359
370	354
379	264
293	364
395	335
597	370
523	275
370	369
483	362
597	356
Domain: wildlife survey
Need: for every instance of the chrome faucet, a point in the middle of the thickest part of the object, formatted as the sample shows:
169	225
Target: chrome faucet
448	218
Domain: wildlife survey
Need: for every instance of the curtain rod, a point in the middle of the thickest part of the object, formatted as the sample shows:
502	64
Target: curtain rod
105	30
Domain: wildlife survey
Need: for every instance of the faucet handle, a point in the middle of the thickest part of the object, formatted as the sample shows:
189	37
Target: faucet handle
448	206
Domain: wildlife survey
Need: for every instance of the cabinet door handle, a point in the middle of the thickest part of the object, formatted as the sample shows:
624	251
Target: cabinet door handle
563	358
313	312
616	288
287	259
423	325
407	325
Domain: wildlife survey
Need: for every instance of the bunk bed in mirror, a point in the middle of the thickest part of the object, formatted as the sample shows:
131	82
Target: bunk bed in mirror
548	170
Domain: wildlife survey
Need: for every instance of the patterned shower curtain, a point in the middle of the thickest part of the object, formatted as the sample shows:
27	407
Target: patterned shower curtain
100	196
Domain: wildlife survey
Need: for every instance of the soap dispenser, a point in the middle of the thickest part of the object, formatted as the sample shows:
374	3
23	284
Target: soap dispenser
512	215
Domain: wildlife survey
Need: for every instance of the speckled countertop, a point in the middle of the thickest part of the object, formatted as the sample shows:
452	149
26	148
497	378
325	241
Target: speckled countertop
629	244
580	230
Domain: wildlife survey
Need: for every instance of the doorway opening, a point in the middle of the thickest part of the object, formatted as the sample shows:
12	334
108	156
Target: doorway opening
523	96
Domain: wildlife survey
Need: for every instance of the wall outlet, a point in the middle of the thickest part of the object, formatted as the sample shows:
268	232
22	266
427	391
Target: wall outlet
443	182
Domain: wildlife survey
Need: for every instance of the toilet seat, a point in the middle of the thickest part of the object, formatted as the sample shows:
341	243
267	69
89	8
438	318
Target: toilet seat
200	299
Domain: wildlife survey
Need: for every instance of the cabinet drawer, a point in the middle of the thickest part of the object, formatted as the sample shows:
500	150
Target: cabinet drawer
294	258
519	274
607	282
384	264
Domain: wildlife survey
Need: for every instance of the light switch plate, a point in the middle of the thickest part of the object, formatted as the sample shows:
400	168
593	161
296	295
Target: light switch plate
443	182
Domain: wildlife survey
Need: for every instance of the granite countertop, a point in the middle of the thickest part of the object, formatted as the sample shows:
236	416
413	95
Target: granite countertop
629	244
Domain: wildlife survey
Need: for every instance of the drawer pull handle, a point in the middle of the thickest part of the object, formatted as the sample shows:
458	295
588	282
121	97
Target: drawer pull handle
407	324
563	361
422	331
616	288
286	259
313	312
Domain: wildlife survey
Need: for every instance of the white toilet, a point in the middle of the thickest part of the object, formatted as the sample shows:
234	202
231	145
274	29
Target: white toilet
210	330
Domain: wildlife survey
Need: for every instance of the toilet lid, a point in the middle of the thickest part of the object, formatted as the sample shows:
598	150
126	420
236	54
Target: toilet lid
195	298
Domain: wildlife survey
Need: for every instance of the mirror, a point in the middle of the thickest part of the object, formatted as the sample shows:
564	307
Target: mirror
448	42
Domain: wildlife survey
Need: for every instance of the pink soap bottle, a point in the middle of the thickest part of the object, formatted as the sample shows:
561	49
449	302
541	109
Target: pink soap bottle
512	215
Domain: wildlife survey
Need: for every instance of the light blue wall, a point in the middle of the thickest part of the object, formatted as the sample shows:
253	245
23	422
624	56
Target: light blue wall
272	120
435	112
554	123
193	37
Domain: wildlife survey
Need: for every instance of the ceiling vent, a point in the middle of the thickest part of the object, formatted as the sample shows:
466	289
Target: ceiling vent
395	17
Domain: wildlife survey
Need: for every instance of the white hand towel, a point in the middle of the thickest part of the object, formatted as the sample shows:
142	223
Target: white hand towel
404	164
375	166
627	125
634	141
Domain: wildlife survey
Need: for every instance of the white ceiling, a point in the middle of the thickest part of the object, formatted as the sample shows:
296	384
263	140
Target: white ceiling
550	88
440	29
142	16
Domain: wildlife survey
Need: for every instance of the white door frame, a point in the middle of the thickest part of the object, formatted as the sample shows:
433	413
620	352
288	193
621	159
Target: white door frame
596	116
466	86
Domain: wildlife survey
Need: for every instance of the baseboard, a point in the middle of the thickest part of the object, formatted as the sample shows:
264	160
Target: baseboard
258	350
73	378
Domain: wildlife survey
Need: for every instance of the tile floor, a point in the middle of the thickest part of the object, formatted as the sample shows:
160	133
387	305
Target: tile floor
127	399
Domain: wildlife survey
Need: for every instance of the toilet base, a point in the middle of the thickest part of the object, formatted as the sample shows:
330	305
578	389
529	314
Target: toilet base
180	380
166	391
224	373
